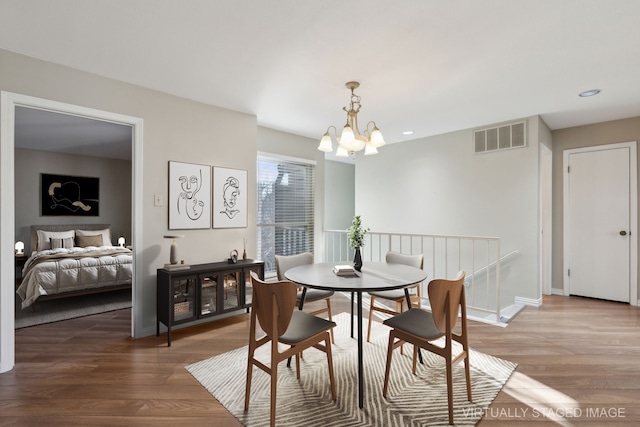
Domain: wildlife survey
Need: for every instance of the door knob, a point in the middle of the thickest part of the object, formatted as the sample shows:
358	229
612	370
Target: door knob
623	233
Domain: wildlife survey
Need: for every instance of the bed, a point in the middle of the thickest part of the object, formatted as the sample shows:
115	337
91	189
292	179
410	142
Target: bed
73	259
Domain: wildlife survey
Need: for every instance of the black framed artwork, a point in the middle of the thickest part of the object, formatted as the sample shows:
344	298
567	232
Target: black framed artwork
65	195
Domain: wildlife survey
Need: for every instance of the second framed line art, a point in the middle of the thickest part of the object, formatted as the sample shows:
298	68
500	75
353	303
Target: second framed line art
229	198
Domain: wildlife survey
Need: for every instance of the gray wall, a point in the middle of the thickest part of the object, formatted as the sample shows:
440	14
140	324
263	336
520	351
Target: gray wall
581	136
115	191
437	185
174	129
340	198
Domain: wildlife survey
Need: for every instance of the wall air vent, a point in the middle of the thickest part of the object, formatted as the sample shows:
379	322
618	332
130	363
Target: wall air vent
510	135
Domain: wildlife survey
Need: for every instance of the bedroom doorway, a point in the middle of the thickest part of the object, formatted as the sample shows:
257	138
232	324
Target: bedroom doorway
9	103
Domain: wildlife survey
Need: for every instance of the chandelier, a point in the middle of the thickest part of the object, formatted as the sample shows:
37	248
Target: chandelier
351	140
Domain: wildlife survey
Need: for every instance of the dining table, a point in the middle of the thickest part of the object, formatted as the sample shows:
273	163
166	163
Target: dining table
374	276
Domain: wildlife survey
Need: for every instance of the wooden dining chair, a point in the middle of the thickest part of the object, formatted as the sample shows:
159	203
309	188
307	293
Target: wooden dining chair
397	296
286	262
420	327
273	309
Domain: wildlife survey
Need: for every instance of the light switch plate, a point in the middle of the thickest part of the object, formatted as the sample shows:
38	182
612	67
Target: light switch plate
157	200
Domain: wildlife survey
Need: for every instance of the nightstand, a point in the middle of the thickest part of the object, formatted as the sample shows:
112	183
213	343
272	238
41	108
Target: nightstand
20	259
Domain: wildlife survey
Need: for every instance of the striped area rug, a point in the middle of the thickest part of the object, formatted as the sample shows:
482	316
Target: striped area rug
419	400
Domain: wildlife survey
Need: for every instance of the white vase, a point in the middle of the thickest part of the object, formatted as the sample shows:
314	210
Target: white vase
173	255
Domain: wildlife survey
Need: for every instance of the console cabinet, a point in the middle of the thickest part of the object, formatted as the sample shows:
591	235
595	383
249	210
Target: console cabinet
203	291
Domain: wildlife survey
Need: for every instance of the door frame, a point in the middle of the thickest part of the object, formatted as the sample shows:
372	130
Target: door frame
633	214
546	219
8	103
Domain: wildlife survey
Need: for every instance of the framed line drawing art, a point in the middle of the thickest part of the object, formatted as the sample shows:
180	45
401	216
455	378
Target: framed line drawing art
64	195
229	198
189	196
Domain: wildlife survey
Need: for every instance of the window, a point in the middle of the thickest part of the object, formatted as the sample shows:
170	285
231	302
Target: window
285	208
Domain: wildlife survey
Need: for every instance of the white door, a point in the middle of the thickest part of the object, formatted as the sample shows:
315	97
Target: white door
598	186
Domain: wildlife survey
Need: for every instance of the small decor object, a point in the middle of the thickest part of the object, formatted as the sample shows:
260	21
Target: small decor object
229	198
189	196
64	195
233	257
357	260
344	270
173	254
356	240
244	250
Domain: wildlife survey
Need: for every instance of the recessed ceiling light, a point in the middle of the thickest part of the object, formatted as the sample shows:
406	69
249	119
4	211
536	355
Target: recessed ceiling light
407	132
589	92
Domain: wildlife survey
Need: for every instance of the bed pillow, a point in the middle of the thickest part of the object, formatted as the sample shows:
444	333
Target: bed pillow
106	235
84	241
44	237
57	243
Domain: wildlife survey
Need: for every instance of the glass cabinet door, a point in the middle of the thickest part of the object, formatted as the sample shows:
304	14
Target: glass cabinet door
231	290
208	294
183	291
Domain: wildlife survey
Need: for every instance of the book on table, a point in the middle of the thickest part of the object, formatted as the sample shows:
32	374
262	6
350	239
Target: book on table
344	270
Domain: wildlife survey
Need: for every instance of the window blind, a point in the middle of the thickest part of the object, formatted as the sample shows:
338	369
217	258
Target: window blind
285	209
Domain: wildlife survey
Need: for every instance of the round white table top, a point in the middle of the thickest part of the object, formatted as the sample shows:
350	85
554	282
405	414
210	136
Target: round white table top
375	276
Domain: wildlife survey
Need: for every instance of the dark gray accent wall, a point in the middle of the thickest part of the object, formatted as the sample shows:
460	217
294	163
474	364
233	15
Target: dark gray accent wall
115	191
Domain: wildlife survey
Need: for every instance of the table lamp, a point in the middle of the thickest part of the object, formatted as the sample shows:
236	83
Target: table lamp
121	241
173	254
19	247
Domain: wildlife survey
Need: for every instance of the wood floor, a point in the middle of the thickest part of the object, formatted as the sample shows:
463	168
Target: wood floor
579	364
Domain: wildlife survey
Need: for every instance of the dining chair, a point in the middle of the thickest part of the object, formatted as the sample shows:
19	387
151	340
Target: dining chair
397	295
286	262
273	310
420	328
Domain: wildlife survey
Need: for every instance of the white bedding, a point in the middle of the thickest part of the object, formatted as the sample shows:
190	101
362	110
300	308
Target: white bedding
55	271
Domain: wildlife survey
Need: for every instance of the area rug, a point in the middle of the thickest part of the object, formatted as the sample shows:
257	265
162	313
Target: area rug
419	400
71	308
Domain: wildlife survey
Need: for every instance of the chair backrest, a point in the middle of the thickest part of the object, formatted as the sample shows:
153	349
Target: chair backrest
451	292
398	258
286	262
273	299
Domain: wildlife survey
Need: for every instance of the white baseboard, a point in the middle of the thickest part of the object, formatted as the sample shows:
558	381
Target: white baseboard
529	301
557	291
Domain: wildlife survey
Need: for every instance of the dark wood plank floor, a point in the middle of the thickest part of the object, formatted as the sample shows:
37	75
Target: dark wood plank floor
577	357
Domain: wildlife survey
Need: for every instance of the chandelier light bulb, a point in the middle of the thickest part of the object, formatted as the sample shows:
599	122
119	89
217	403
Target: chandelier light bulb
370	149
341	151
326	143
376	138
347	138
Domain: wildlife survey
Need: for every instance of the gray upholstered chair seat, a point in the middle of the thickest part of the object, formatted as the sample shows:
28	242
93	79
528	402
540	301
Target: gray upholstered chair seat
417	322
304	325
315	295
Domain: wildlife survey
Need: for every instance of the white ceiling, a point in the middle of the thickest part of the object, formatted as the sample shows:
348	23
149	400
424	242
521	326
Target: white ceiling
49	131
430	66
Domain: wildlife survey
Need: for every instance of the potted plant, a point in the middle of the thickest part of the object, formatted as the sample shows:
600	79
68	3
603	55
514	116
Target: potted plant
356	240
